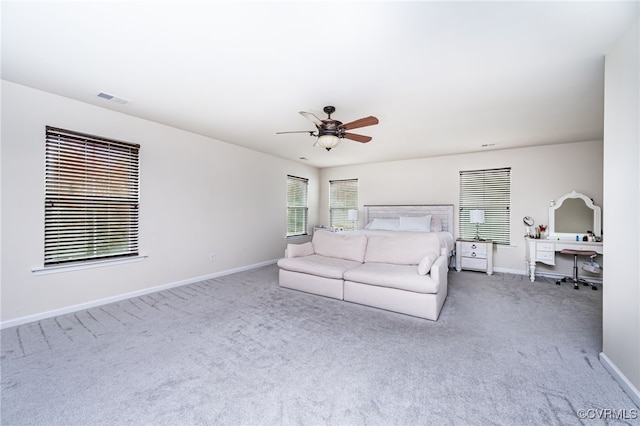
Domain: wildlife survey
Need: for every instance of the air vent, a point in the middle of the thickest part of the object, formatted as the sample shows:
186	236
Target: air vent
112	98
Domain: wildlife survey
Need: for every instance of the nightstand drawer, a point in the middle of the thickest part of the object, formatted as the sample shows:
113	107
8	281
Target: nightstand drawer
480	254
480	249
473	263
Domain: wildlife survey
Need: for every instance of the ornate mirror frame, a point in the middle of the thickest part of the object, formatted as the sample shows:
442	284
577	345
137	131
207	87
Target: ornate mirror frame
597	214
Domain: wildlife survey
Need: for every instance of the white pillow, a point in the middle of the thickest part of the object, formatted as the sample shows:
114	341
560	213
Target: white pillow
425	264
300	250
436	225
385	224
420	223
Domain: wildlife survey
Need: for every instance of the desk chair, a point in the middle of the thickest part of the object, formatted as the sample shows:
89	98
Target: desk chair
575	278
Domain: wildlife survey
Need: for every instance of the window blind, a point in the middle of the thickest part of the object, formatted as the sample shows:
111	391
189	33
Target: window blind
297	205
91	197
488	190
343	197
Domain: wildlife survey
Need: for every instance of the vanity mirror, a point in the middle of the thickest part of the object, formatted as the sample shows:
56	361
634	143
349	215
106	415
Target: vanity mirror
573	215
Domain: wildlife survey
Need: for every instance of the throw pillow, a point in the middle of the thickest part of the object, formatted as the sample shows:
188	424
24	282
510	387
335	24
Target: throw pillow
300	250
425	264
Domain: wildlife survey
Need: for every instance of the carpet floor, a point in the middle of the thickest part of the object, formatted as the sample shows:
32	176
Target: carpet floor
239	350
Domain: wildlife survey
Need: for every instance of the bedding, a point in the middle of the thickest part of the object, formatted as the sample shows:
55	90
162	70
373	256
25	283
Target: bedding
446	239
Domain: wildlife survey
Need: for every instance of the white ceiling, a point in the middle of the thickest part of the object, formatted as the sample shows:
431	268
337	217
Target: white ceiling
442	77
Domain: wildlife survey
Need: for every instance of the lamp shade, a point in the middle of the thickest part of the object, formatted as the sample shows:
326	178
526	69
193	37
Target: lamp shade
353	214
328	141
476	216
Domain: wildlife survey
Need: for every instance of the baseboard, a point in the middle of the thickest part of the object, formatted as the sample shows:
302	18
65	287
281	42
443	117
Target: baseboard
510	271
622	380
74	308
552	275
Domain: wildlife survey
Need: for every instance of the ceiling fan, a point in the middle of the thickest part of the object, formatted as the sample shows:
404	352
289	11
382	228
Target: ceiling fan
329	131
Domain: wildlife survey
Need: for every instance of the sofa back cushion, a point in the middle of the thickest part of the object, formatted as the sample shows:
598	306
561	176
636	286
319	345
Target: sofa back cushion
401	249
332	244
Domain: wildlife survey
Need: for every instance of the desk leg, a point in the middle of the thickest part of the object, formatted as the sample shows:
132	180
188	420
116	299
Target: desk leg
532	271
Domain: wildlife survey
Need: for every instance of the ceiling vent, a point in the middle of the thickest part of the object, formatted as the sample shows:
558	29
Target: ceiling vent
112	98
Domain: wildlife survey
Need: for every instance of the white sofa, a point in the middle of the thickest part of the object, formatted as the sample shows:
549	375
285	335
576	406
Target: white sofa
403	273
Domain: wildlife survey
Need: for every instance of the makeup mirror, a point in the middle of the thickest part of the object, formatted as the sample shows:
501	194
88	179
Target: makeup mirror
573	215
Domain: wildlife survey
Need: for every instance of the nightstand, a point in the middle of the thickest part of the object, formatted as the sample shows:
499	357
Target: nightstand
474	255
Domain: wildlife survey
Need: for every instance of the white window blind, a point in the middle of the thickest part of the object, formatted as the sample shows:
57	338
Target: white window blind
91	198
490	191
297	205
343	197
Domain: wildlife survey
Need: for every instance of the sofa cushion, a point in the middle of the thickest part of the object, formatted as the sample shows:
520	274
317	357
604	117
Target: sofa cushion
403	249
403	277
425	264
331	244
315	264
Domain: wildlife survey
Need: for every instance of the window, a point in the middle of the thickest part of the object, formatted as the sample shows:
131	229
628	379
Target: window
343	197
296	206
91	198
490	191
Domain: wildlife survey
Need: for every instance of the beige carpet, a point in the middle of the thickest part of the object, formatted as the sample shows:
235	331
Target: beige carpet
239	350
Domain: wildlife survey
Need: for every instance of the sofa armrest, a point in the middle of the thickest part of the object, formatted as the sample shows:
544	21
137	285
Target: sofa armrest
299	250
440	269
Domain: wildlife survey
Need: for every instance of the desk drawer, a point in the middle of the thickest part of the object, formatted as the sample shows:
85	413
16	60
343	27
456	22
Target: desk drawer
473	263
545	255
545	247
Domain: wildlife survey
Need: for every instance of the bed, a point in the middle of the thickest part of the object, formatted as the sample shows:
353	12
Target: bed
385	220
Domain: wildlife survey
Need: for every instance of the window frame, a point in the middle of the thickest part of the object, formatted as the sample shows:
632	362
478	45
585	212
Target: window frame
92	199
299	209
488	190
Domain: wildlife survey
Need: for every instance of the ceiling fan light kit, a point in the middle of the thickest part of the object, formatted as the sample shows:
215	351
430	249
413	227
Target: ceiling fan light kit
328	141
330	132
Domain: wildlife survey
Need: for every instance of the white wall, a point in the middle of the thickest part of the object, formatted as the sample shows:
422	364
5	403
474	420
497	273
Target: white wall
621	298
538	175
198	195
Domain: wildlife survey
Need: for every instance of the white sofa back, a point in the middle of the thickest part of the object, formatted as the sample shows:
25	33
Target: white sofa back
331	244
407	249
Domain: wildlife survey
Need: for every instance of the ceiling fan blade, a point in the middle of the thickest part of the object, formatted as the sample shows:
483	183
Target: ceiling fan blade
311	117
357	138
311	132
363	122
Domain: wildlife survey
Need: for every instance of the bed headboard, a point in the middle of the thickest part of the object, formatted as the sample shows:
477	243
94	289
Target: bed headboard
444	212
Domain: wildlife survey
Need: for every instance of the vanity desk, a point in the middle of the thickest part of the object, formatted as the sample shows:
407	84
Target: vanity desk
544	251
574	224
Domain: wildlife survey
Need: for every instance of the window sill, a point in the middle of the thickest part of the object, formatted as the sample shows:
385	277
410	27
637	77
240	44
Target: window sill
297	237
45	270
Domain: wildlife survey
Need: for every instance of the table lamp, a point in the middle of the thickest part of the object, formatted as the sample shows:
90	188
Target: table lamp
477	217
